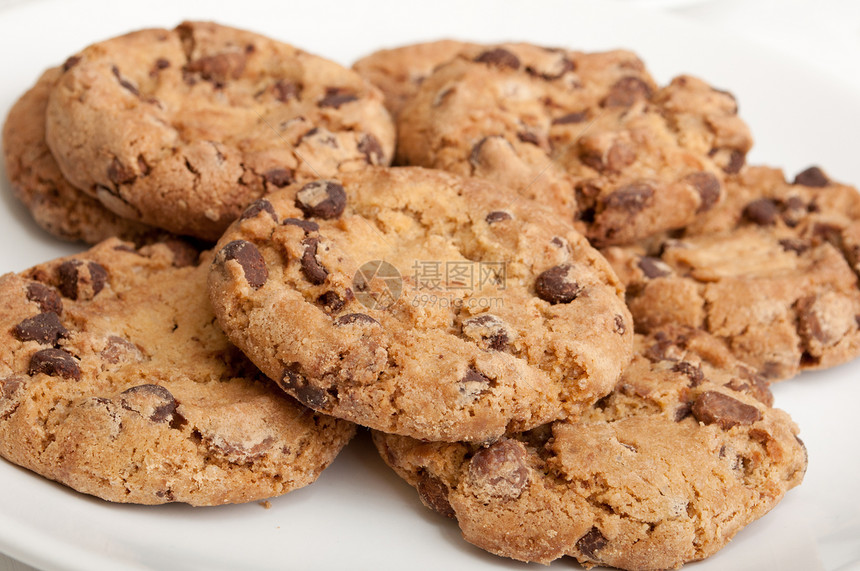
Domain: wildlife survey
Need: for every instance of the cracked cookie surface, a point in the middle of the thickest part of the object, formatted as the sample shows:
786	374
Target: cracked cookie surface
773	271
418	302
115	380
55	204
183	128
400	71
590	134
683	454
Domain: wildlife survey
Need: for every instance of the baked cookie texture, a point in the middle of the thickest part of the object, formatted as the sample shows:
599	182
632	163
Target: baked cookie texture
421	303
589	134
773	271
116	381
183	128
399	72
683	454
56	205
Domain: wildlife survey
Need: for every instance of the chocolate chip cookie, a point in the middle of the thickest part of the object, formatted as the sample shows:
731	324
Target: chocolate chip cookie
421	303
773	271
590	134
399	71
55	204
183	128
666	469
115	380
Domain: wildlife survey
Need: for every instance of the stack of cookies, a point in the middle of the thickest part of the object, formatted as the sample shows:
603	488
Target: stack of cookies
558	315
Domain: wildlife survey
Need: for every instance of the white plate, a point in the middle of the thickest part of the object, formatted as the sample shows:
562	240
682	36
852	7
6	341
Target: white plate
359	515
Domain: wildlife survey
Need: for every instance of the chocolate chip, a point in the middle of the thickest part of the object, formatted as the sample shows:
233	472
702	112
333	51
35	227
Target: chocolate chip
371	149
126	84
795	245
658	351
737	159
620	326
708	187
296	384
285	90
501	469
351	318
434	494
683	411
9	386
165	495
152	402
237	452
44	328
259	205
119	174
497	216
626	92
488	331
571	118
335	97
562	66
143	166
477	149
307	225
45	297
71	62
691	371
79	280
630	198
499	57
528	137
320	136
592	158
813	176
278	177
757	386
331	302
162	63
324	199
474	383
712	407
560	243
813	323
218	68
311	268
54	362
556	285
592	542
620	156
251	260
762	212
654	267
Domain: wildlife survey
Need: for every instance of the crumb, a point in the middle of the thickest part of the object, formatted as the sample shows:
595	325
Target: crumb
266	504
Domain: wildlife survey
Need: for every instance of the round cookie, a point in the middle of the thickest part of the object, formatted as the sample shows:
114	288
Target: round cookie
773	271
183	128
665	470
55	204
116	381
398	72
587	133
421	303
